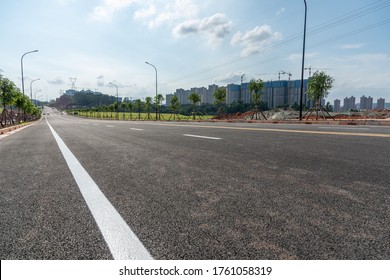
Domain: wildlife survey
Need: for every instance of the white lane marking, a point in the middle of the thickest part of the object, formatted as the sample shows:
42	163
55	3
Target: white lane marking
336	127
137	129
95	124
110	126
123	243
204	137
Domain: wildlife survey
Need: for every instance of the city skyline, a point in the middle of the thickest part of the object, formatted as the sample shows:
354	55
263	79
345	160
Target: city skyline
193	43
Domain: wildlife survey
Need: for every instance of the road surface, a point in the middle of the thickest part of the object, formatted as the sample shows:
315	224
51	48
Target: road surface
194	191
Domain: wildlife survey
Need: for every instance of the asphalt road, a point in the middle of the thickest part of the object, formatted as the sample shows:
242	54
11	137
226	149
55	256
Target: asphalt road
199	190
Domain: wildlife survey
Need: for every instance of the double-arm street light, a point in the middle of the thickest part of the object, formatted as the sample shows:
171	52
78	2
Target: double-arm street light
31	87
156	87
303	63
21	65
117	99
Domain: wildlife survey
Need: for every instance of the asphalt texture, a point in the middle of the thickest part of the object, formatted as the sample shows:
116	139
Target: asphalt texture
252	194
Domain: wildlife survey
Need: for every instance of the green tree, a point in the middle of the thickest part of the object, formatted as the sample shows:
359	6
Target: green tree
124	107
138	107
220	98
194	98
175	104
160	98
256	87
130	106
7	91
148	105
20	100
319	85
111	109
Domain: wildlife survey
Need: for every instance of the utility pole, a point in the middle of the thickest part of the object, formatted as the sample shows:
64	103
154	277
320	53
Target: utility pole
73	81
303	63
240	97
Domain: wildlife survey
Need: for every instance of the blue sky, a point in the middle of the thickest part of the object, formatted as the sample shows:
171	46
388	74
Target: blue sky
193	43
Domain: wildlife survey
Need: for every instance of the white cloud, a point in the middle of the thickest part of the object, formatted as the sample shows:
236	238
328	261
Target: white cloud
215	28
352	46
105	11
56	81
169	13
143	14
256	39
232	77
281	11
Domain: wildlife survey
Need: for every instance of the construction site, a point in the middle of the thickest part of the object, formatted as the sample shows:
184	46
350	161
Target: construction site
292	115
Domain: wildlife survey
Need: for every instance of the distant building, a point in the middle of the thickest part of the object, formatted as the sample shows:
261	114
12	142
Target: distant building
201	91
209	99
182	95
168	99
380	104
337	105
275	94
233	92
70	92
365	103
349	104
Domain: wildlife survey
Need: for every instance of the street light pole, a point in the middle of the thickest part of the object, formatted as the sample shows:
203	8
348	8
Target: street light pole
117	98
156	86
31	87
21	66
303	63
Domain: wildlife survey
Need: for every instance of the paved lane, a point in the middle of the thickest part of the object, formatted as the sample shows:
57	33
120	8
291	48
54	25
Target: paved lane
239	194
42	213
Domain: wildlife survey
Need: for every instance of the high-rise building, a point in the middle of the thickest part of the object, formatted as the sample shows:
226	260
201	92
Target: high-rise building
349	104
182	95
365	103
209	99
380	104
232	93
168	99
275	93
336	105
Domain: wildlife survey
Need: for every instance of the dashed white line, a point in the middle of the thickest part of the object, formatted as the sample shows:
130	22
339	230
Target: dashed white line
200	136
137	129
121	240
110	125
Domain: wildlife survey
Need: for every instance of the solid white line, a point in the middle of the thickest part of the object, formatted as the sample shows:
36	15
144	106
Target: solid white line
336	127
199	136
123	243
138	129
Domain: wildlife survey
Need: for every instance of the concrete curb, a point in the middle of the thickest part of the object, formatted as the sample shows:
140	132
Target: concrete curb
14	127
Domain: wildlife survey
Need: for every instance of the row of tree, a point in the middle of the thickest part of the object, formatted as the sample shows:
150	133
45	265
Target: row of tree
10	98
319	85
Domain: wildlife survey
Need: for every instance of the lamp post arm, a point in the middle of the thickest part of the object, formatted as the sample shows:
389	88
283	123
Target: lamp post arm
21	66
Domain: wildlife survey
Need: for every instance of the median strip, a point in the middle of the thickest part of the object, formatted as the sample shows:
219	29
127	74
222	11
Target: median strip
121	240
